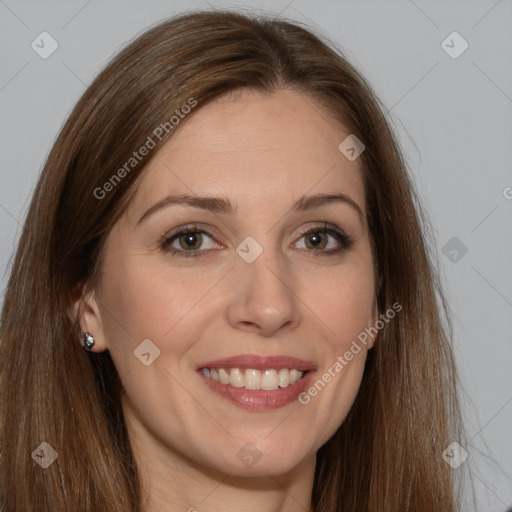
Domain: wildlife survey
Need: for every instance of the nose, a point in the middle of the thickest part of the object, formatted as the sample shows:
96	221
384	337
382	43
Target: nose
263	299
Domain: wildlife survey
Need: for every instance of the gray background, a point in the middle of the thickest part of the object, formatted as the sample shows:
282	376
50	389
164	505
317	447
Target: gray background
453	117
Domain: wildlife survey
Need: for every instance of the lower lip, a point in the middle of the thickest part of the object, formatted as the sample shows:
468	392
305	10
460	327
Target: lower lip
259	400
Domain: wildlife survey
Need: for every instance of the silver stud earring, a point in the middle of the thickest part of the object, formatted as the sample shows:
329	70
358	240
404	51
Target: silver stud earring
88	341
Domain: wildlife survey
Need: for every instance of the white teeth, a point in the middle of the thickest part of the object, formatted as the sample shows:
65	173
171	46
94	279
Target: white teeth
236	379
224	377
284	378
251	379
269	380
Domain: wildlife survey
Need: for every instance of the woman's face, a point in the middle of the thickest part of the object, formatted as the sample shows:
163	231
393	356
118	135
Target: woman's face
255	261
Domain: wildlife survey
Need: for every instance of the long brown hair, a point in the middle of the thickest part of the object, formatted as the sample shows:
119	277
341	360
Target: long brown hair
386	456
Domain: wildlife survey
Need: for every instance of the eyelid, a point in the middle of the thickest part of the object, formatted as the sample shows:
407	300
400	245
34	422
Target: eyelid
192	227
320	225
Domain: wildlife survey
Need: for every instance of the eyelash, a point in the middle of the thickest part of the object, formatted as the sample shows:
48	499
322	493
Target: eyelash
330	229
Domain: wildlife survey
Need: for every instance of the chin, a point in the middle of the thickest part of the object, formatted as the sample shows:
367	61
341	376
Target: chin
262	457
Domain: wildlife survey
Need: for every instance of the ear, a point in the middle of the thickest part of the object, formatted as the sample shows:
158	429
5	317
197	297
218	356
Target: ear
85	308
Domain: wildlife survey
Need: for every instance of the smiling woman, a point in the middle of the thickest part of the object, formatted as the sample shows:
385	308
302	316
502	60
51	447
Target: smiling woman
264	329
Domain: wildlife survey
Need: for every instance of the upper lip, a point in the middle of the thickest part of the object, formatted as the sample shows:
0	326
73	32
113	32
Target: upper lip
260	362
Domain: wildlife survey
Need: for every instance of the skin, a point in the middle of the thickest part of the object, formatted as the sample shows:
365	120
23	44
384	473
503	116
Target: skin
263	153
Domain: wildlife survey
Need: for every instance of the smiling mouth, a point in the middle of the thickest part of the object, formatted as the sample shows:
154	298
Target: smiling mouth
258	383
255	379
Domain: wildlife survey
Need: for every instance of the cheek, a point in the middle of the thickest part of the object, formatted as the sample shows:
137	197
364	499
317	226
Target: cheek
144	302
332	392
344	303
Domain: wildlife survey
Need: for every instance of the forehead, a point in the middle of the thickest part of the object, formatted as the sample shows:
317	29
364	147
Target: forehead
251	147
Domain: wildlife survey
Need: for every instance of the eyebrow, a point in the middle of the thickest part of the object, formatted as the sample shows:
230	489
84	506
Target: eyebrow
224	205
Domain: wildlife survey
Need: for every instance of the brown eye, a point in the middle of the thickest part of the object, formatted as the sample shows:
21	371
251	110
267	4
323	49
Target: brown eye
316	240
326	239
190	241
